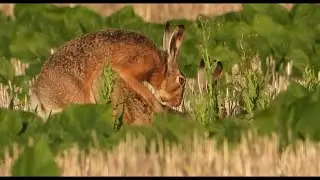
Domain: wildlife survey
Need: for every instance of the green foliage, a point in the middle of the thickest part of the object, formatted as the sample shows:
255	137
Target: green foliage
36	161
77	123
7	71
263	30
128	18
293	114
17	127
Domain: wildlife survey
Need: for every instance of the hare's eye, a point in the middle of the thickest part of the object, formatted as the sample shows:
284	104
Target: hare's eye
181	80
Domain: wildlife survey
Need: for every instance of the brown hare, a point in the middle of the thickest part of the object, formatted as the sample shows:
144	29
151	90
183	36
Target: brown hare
135	109
199	84
72	73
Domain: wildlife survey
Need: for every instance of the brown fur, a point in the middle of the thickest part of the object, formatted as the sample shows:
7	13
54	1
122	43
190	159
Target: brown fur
135	109
69	75
201	76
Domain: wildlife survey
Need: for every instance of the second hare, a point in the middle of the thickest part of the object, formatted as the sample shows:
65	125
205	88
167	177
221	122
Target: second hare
132	106
72	73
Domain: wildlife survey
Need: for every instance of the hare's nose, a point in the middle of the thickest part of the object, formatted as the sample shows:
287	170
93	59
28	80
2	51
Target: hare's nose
181	80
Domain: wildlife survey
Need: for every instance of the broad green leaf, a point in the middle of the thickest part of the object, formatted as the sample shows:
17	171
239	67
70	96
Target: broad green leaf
247	13
22	11
76	125
265	26
34	69
6	31
275	11
307	14
7	71
86	19
315	58
226	34
17	126
265	121
281	115
124	18
175	126
302	38
36	161
20	80
36	46
278	39
229	129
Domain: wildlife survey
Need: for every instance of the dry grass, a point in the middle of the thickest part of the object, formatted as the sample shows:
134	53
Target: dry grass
253	157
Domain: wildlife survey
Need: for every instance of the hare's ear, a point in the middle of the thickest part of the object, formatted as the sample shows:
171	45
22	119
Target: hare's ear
166	37
176	40
217	71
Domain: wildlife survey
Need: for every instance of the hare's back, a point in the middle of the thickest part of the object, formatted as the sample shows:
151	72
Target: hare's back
125	36
87	51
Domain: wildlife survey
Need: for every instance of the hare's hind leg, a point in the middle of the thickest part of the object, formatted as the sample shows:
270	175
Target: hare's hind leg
52	95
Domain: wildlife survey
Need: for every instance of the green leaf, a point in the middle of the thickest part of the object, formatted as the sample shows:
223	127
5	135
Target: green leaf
299	58
277	37
7	71
20	80
306	14
23	11
48	19
37	46
34	69
125	18
229	129
36	161
84	18
265	26
17	126
77	122
302	38
247	13
225	34
275	11
226	56
315	58
265	120
6	31
174	127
